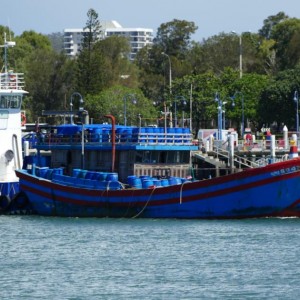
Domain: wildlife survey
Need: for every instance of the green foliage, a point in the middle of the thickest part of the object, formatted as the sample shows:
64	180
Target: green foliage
270	22
92	30
54	75
276	102
204	88
104	66
174	37
287	35
112	101
57	41
89	61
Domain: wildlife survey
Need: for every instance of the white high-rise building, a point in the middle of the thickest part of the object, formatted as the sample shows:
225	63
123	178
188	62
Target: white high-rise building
138	37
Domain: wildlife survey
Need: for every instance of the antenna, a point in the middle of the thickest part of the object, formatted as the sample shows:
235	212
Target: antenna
9	29
6	45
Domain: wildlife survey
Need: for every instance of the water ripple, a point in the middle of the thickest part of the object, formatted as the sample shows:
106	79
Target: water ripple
57	258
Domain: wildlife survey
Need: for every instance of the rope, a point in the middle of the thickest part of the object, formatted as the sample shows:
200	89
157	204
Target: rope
138	214
181	187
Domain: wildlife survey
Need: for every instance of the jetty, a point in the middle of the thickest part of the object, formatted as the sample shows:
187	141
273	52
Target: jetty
218	158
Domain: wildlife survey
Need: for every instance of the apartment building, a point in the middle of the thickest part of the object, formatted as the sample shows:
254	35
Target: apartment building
138	37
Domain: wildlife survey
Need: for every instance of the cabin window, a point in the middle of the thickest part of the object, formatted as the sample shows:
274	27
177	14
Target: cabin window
174	157
178	157
139	157
147	157
10	101
162	157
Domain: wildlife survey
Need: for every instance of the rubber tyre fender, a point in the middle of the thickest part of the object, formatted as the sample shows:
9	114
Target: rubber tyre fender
5	202
20	200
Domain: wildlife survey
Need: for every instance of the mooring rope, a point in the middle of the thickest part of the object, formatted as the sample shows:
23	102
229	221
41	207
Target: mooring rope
145	204
181	187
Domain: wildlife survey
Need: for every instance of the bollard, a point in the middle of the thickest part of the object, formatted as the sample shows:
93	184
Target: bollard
293	152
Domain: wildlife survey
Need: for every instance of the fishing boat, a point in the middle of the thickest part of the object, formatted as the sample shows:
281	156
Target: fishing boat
11	122
108	170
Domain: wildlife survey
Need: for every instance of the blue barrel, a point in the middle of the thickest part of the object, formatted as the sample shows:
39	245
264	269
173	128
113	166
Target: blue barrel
43	172
156	182
164	182
160	134
49	174
186	135
101	185
119	132
137	183
112	177
90	175
135	133
178	180
59	171
130	179
178	135
174	180
145	177
142	135
126	135
105	135
114	185
155	131
97	135
147	183
101	176
149	134
76	172
82	173
170	135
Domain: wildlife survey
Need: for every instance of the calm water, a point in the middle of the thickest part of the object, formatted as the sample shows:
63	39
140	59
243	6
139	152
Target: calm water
56	258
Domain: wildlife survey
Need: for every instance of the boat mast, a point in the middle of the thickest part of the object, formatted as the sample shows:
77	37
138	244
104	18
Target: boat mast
6	45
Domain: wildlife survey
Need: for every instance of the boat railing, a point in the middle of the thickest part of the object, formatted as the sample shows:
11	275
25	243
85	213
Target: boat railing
12	81
129	138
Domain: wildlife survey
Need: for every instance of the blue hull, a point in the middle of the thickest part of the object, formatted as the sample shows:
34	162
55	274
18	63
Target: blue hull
269	191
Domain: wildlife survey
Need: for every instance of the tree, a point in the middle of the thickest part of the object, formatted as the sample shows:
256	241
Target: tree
286	34
116	52
227	84
109	64
57	41
174	38
50	81
27	43
218	52
276	104
111	101
87	58
270	22
92	30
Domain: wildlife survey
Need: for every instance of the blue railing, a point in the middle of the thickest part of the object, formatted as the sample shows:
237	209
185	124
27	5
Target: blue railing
178	136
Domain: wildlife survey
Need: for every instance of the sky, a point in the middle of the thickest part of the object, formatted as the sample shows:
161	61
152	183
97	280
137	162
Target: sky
210	16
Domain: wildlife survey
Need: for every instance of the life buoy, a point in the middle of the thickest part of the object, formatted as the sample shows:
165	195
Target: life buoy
5	202
23	119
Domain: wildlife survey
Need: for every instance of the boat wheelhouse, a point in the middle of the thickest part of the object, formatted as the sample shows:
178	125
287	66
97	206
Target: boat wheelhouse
11	121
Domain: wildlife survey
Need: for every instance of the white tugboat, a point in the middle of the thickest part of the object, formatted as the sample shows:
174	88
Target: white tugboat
11	122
